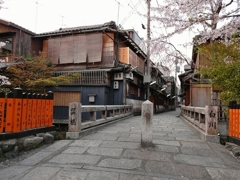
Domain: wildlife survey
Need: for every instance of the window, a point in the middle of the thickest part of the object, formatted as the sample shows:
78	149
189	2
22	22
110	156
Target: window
64	98
7	46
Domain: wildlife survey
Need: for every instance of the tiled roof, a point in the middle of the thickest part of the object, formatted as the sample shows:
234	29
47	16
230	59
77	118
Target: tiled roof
8	23
80	29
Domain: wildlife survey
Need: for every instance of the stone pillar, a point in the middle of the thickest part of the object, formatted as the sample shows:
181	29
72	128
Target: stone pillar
211	123
147	124
74	121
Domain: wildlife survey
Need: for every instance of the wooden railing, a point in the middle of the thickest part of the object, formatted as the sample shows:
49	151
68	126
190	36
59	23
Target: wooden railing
108	113
206	119
86	77
21	111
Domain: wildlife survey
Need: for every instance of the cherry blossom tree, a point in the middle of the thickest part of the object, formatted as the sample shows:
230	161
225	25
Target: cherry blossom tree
3	79
210	19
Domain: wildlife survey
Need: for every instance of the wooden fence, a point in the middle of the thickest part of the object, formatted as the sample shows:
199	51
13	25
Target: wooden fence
234	120
21	111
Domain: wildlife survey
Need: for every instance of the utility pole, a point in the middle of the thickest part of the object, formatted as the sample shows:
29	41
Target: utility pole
148	50
36	17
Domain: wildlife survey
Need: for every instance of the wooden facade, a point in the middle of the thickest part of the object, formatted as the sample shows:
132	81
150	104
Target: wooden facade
18	41
127	56
195	91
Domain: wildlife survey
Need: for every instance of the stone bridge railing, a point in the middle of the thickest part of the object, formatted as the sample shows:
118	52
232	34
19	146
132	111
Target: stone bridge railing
108	113
204	118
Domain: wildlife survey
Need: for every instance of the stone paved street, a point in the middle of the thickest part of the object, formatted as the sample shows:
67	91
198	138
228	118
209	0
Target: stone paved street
114	153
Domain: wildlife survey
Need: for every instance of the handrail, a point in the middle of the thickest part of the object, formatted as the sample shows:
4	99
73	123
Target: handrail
108	113
205	118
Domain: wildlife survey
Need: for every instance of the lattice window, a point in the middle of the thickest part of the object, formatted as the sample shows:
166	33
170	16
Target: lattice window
64	98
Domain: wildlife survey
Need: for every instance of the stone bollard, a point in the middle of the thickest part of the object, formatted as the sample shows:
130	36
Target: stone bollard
147	124
211	120
74	121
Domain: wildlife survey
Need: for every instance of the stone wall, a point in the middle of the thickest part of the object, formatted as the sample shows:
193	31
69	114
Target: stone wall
11	148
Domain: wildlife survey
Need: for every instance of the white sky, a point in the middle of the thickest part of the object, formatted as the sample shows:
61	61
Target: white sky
48	15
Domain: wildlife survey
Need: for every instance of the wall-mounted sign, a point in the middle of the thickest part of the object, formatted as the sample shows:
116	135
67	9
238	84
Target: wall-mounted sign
92	98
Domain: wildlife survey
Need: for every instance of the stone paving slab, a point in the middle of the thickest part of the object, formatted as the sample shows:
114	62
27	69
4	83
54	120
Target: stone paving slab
194	144
121	163
223	174
130	139
13	171
88	143
165	148
113	152
45	173
165	142
165	138
148	155
203	152
100	136
58	145
201	161
38	157
70	174
127	145
74	159
101	175
136	174
75	150
180	170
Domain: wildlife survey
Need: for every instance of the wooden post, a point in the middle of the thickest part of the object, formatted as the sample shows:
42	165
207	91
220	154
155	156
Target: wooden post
43	107
233	122
2	110
47	110
50	116
9	113
236	122
230	121
39	109
29	111
34	110
24	111
17	109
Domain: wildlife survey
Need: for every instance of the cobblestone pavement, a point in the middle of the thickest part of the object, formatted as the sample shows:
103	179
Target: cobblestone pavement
114	153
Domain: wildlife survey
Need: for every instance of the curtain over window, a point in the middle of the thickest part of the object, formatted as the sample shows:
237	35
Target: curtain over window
76	49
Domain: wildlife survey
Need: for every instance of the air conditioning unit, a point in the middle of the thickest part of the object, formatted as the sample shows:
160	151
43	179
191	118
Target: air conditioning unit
115	85
118	76
129	76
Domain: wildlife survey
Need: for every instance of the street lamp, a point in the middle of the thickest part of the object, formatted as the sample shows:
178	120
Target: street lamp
152	83
163	89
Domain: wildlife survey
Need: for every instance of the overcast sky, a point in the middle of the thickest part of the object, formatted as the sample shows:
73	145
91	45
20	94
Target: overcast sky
47	15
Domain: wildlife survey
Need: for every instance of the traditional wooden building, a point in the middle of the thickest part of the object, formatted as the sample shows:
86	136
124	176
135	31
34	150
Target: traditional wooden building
197	91
17	42
108	65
